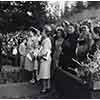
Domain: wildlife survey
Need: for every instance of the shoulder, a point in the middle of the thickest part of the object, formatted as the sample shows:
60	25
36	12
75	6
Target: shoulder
47	40
89	35
21	44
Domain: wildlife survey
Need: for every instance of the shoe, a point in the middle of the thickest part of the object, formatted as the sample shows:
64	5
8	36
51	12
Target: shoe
32	81
38	78
48	89
43	91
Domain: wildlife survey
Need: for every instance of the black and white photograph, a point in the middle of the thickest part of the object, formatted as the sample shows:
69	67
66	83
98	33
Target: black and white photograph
50	49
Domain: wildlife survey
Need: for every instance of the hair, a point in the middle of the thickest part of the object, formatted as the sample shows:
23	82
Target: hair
84	26
24	39
48	30
72	26
96	30
62	33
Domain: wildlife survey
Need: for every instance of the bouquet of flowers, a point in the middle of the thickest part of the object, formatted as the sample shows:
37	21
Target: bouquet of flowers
94	66
91	68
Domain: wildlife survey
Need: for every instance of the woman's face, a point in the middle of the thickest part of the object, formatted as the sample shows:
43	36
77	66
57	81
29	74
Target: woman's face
44	33
59	33
84	30
24	41
70	29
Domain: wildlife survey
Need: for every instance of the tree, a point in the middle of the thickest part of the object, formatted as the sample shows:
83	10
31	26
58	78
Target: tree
95	4
79	6
76	7
16	15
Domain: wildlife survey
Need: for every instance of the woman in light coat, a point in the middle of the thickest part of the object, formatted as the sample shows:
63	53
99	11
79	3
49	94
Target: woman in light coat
28	60
45	61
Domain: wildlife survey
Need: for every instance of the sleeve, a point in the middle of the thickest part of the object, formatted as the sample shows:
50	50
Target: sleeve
46	48
91	40
21	49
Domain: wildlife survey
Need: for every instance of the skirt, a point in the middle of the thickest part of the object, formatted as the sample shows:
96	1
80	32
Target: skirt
36	64
45	69
22	61
28	65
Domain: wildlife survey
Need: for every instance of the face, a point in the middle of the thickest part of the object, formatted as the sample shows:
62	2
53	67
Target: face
70	29
59	33
84	30
31	34
24	41
43	33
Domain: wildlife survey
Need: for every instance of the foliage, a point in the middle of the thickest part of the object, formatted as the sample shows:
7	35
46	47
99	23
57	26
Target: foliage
95	4
80	6
14	14
76	8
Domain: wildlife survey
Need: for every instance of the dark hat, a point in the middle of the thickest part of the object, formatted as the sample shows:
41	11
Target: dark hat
60	28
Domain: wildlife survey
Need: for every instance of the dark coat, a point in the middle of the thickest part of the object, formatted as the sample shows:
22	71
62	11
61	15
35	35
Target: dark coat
85	45
68	50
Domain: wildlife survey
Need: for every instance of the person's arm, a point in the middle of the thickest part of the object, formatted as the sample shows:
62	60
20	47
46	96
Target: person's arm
46	48
38	32
91	41
21	49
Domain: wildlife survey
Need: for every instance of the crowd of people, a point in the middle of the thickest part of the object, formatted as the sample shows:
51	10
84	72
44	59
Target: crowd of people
39	53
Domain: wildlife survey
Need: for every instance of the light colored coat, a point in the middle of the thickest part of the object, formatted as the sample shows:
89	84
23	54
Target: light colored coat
22	49
45	65
29	62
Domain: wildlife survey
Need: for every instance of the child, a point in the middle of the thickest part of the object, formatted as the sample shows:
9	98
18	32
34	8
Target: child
22	51
35	53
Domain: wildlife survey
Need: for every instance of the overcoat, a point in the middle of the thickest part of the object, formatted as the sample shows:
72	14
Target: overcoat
45	62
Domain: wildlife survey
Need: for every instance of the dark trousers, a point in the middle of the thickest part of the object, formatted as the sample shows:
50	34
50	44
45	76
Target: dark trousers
15	60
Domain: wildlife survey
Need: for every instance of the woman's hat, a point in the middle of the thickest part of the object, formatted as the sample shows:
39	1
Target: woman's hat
85	26
59	28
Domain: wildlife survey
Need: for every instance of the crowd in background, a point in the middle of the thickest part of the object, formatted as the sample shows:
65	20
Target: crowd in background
10	41
40	52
